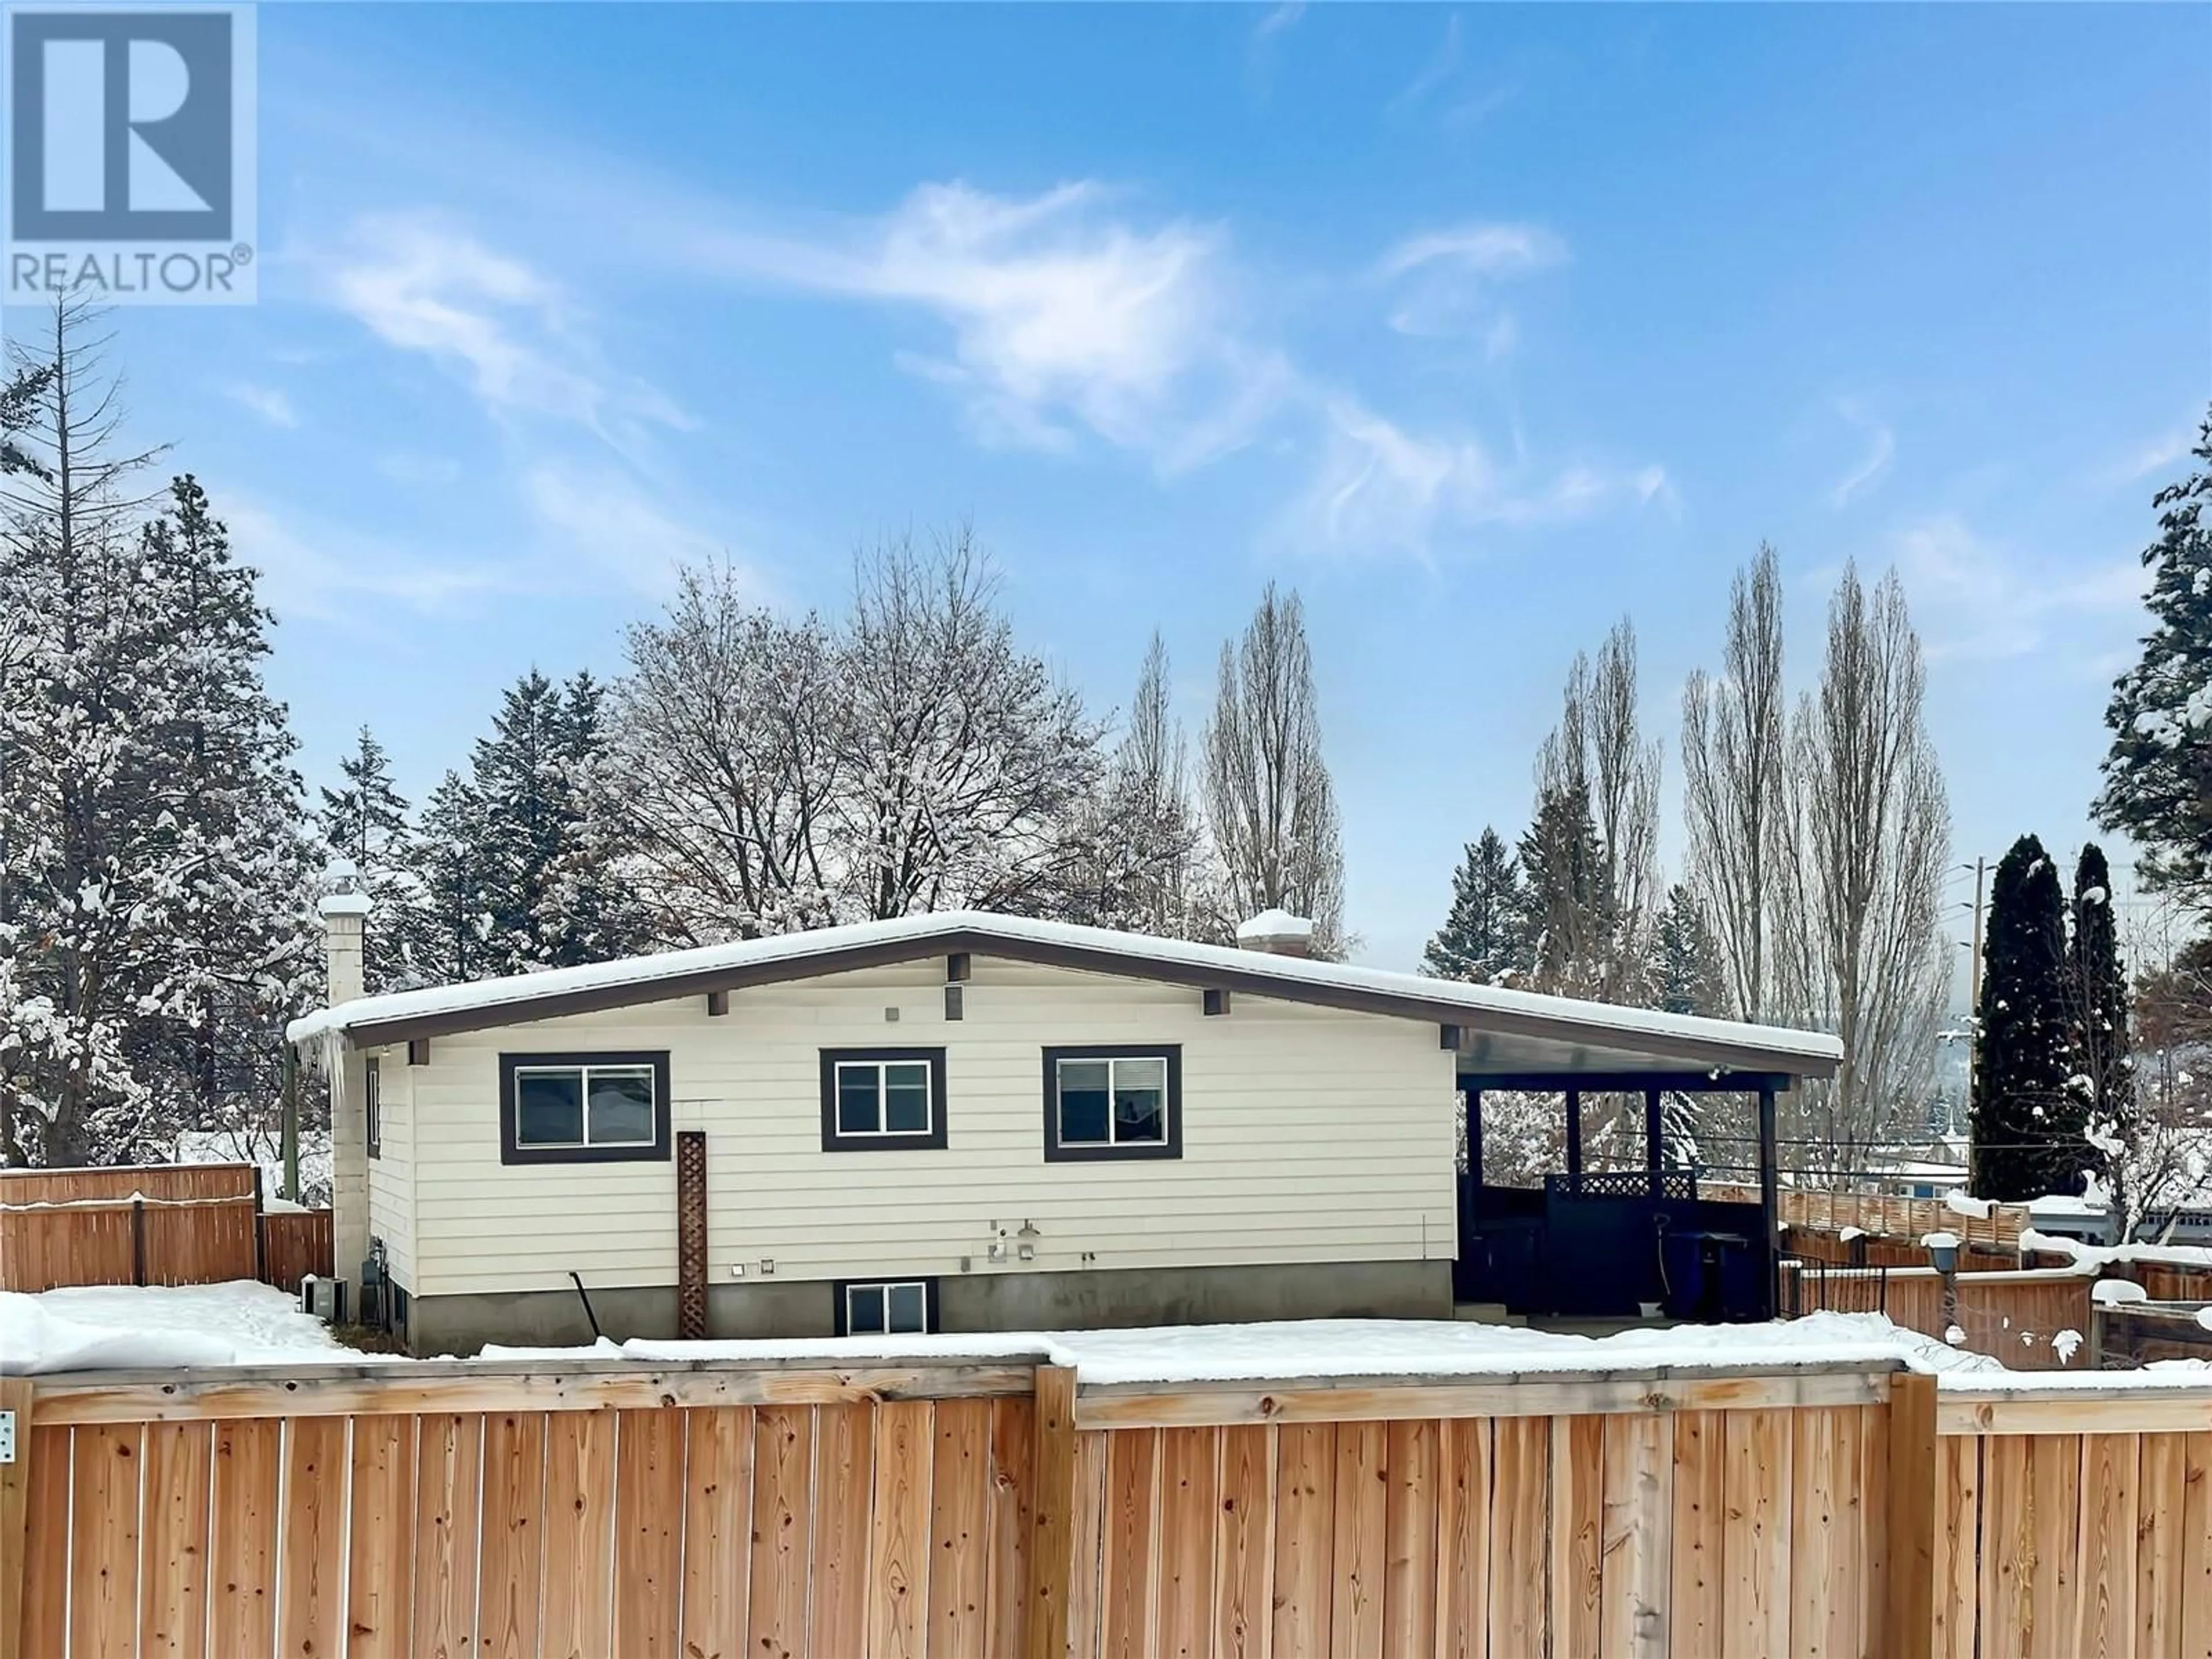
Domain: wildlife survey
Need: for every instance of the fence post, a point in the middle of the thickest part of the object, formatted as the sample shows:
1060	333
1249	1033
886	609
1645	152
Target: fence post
138	1241
261	1239
1052	1548
1908	1610
14	1514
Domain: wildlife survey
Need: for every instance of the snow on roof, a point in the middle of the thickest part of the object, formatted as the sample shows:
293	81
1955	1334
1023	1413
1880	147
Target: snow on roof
1275	924
1107	950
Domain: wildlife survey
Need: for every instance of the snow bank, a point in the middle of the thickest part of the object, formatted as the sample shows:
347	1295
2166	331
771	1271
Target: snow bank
129	1327
1344	1348
2108	1256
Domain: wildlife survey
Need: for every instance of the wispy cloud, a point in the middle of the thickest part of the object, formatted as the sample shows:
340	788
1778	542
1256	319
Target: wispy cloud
604	518
1058	313
268	402
511	334
1383	489
1446	283
1279	19
2155	457
1880	446
323	571
1977	599
1442	64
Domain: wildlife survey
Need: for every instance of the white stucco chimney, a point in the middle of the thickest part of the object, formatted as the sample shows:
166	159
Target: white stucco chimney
1277	933
345	920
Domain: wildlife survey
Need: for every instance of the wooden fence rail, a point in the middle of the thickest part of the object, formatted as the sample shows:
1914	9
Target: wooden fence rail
2029	1320
1908	1218
930	1510
182	1224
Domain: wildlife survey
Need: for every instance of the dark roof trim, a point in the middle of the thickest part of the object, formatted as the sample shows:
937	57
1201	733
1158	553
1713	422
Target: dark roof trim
1718	1081
1691	1052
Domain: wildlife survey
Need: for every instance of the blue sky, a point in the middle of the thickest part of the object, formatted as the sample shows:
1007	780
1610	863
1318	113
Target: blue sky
1481	326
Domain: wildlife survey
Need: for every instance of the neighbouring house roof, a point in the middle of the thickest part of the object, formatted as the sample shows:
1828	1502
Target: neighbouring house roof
1500	1031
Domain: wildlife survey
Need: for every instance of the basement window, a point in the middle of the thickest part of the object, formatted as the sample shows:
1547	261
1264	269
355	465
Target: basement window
1118	1102
881	1099
902	1307
583	1108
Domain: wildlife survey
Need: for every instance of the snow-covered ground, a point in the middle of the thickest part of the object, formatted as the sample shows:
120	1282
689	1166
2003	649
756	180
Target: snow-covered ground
129	1327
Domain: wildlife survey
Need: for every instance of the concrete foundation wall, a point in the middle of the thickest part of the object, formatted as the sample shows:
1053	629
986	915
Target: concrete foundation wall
993	1301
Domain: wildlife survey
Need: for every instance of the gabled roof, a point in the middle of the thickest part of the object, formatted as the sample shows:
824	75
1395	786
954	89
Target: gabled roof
1502	1030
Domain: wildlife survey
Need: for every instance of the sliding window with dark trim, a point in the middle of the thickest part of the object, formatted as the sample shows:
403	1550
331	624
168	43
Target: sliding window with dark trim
1120	1102
372	1105
584	1108
885	1307
881	1100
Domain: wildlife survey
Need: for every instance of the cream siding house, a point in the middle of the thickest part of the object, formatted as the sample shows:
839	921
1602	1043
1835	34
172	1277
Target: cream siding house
968	1121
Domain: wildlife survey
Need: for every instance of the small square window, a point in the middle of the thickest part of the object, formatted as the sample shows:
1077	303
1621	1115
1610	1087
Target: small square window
1112	1103
895	1308
879	1099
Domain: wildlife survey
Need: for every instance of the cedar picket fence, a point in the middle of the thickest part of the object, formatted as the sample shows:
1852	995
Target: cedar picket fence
930	1509
163	1223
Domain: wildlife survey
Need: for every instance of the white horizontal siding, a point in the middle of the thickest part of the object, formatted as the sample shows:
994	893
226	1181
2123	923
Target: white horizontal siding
1308	1136
391	1174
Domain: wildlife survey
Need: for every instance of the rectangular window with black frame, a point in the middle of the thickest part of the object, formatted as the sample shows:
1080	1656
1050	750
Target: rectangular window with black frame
894	1306
1120	1102
584	1108
876	1100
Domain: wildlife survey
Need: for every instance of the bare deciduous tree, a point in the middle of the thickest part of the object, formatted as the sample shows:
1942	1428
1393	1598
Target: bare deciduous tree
1862	951
964	761
1733	765
727	756
1268	796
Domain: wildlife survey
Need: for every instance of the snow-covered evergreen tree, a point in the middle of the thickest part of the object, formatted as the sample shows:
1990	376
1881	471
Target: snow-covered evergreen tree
87	696
2097	996
447	932
1688	975
365	823
523	864
1486	936
1571	906
2158	775
225	806
2029	1125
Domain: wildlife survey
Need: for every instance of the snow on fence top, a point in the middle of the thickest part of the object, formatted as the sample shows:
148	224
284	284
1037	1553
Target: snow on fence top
675	973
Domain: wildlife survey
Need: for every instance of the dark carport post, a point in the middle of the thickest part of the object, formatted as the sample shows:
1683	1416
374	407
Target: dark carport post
1770	1196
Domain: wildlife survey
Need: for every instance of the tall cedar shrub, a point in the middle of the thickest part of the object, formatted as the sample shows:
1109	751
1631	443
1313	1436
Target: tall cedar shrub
2104	1072
2027	1123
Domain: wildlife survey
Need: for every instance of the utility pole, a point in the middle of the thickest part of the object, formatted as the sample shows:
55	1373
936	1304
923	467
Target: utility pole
1974	968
